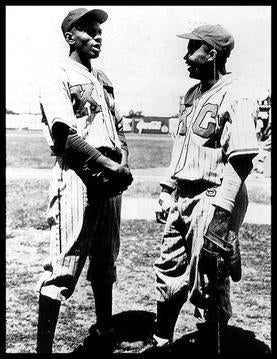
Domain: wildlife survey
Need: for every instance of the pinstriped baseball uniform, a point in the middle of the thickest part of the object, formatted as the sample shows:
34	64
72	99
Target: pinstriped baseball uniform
213	127
81	226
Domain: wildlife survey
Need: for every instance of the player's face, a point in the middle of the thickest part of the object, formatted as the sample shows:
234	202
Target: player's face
197	60
88	39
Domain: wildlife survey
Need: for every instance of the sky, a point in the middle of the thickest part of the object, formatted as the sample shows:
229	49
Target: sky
141	53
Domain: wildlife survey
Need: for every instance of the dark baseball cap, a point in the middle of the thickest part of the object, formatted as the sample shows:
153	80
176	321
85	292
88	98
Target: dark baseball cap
214	35
75	15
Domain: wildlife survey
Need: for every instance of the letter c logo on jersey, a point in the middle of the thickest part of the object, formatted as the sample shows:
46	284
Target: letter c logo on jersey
205	123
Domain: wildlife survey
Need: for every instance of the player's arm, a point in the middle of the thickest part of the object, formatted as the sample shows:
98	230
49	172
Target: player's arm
218	237
235	173
239	145
78	152
168	186
166	200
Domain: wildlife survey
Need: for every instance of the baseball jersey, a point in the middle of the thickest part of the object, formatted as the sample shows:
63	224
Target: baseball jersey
84	101
213	127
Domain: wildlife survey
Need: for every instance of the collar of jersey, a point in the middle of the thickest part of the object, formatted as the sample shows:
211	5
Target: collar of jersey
89	74
224	80
77	64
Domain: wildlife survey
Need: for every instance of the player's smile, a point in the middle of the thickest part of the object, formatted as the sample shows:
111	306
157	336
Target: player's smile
96	47
97	42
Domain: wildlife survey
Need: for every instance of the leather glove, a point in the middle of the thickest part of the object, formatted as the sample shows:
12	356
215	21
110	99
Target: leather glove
222	243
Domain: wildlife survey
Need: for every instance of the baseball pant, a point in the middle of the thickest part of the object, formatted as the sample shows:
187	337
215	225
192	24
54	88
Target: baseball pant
177	266
81	227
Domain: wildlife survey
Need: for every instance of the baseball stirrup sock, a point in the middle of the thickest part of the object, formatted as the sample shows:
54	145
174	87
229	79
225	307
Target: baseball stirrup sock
47	320
167	315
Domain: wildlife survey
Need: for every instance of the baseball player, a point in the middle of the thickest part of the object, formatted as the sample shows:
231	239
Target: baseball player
85	133
204	195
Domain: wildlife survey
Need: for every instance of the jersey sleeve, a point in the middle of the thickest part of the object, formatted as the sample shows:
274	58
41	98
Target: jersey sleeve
168	180
55	103
239	135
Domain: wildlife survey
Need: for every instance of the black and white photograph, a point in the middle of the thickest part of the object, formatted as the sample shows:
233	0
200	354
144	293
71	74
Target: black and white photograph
138	180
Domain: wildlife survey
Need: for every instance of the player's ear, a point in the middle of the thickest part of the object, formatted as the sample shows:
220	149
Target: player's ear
212	55
69	38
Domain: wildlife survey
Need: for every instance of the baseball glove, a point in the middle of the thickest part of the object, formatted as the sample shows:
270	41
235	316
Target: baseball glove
103	183
220	253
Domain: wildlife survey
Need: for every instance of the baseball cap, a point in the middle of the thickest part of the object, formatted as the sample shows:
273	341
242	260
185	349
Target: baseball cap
75	15
215	35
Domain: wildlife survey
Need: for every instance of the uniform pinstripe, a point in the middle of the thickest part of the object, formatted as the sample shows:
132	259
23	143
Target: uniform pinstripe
213	127
81	226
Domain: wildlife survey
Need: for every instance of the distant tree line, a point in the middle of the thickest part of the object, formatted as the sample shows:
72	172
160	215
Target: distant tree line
11	112
133	113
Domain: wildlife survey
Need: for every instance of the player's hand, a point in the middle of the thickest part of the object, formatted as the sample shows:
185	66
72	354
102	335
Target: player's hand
163	206
106	176
122	176
220	222
223	241
123	170
216	248
217	231
124	159
165	201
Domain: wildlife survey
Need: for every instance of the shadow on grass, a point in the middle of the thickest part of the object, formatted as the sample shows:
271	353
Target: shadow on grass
134	328
236	342
134	325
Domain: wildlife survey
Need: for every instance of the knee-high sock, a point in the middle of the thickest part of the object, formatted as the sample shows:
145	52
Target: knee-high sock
103	304
47	320
167	315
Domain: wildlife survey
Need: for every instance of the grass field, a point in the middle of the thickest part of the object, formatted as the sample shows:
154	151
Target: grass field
31	199
134	302
33	152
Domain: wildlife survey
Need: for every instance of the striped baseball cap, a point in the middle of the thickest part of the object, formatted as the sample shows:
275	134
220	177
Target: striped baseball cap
75	15
215	35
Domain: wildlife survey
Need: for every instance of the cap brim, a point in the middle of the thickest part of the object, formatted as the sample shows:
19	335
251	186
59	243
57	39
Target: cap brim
95	15
189	36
